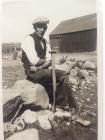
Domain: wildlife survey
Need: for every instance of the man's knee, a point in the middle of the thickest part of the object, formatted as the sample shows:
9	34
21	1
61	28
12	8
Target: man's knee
60	72
47	73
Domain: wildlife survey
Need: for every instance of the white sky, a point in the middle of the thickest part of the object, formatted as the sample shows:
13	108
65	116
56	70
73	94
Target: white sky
17	15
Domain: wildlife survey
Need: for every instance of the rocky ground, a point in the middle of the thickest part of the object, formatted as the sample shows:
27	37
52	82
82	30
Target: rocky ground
61	126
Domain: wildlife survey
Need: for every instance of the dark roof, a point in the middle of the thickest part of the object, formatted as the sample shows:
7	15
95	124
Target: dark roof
77	24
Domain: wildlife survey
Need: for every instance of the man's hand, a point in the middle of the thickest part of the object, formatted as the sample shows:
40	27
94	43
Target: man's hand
34	68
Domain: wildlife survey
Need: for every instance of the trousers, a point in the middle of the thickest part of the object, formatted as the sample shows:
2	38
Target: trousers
63	91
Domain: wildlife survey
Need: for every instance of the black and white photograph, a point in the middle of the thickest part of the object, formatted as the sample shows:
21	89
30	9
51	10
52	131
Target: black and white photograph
50	70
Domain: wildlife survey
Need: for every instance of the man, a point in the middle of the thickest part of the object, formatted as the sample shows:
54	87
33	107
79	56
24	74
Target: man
36	59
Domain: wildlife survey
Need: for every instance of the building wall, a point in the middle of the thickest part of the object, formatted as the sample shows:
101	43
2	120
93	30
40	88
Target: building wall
75	42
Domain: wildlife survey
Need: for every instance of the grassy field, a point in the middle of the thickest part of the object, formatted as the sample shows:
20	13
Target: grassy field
87	98
11	72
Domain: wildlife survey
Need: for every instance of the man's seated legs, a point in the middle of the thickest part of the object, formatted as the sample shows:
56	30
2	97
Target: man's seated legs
63	92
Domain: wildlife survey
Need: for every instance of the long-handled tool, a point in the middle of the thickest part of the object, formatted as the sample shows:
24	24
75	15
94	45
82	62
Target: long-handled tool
53	78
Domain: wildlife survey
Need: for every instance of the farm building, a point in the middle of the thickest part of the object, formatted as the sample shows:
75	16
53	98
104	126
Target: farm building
75	35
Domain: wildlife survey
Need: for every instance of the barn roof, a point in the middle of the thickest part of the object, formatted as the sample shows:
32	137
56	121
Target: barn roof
77	24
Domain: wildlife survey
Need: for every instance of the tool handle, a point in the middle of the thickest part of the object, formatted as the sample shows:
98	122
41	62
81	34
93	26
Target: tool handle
54	81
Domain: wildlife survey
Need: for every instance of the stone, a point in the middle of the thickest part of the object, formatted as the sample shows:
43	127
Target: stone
88	81
11	107
19	123
43	119
89	65
66	66
68	123
60	117
21	84
73	72
84	74
84	87
62	59
36	95
9	94
79	64
29	134
29	116
32	93
9	128
82	122
73	89
44	123
74	86
88	99
72	81
62	114
23	91
91	72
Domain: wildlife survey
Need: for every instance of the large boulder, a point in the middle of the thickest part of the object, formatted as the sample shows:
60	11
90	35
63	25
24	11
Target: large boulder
22	84
44	123
29	116
89	65
29	134
31	93
11	107
83	74
66	66
43	119
23	92
73	79
9	94
34	94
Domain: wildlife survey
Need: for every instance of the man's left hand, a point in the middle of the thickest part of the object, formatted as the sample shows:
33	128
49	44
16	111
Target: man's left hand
34	68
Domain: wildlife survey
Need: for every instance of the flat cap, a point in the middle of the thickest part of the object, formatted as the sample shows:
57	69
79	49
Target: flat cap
40	20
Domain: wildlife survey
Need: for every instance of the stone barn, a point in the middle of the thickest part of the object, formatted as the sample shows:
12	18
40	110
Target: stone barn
75	35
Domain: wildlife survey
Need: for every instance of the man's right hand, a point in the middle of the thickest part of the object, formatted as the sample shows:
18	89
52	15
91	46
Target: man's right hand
34	68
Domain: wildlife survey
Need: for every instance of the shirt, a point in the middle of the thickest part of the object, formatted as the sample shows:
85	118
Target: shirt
28	47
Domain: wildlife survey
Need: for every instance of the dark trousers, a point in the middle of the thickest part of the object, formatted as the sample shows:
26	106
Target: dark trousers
63	91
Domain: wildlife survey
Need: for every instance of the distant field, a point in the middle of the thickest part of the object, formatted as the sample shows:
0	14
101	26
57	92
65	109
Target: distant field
13	69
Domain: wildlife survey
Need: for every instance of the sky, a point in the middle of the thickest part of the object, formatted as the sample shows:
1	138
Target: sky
17	15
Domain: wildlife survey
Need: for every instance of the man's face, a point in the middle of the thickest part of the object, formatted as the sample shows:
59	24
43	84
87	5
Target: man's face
41	29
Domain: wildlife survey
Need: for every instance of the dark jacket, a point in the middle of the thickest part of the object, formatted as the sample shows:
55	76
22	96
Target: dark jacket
41	53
